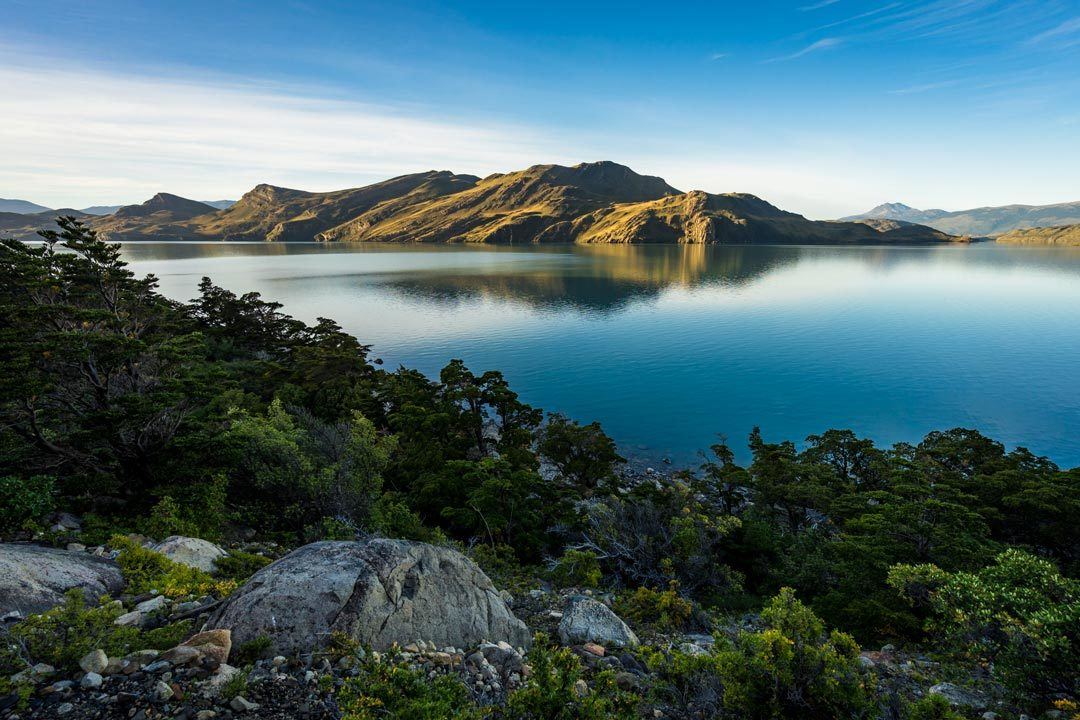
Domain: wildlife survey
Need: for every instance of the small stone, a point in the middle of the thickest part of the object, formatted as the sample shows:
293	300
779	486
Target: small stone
581	688
152	605
131	619
242	704
60	686
279	660
64	708
158	666
94	661
182	655
594	649
162	691
205	715
91	681
866	662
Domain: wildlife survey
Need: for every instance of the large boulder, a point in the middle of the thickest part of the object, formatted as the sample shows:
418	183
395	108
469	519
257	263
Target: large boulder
193	552
589	621
379	592
34	578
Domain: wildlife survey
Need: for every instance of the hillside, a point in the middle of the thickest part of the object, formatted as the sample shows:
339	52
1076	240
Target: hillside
22	207
26	225
1060	235
979	222
161	217
600	202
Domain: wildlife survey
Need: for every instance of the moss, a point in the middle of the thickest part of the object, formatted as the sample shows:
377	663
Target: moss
147	571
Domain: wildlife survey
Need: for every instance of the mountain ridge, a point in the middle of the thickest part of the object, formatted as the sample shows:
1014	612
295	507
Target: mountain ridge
592	202
986	221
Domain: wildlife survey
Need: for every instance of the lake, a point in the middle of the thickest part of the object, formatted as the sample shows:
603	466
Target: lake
671	346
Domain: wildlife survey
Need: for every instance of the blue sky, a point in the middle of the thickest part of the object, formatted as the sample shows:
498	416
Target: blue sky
823	107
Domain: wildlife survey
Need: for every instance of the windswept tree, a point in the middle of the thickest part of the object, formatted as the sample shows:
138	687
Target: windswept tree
96	368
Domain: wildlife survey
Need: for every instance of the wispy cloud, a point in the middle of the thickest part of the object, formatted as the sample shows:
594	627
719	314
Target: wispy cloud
719	56
823	44
74	135
818	5
1065	29
927	87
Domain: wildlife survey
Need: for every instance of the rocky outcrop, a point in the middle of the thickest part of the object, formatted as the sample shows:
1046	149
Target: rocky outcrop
379	592
589	621
193	552
34	579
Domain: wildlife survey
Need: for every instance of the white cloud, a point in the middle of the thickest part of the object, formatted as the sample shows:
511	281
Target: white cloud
77	137
823	44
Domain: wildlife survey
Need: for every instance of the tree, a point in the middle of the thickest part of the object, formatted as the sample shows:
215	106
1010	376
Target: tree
98	371
584	454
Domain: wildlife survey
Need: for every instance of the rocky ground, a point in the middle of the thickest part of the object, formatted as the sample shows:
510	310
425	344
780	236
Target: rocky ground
425	607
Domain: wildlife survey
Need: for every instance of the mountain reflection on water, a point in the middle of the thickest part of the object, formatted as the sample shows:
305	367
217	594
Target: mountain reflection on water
670	345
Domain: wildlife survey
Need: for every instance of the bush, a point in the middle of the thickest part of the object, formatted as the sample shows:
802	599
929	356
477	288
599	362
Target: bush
67	632
147	571
548	694
1019	614
383	690
932	707
665	610
25	499
577	568
255	649
793	668
239	565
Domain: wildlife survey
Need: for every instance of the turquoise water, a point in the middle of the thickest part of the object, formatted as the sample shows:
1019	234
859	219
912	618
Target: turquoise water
671	346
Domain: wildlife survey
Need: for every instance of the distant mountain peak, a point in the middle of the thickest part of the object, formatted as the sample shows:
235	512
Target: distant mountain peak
21	207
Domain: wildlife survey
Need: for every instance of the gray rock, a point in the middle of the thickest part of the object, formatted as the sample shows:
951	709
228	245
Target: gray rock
958	696
154	604
34	579
193	552
94	661
64	708
242	704
162	691
587	620
91	681
379	592
131	619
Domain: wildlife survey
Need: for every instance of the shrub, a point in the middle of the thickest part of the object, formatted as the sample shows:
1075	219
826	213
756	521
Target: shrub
25	499
255	649
549	694
691	685
1020	614
383	690
146	571
577	568
239	565
932	707
665	610
793	668
67	632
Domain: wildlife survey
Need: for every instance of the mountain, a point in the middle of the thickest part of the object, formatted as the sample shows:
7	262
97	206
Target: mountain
101	209
600	202
160	217
22	207
26	225
110	209
980	222
1059	235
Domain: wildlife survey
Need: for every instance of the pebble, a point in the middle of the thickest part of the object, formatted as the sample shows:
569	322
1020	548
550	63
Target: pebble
242	704
91	680
94	661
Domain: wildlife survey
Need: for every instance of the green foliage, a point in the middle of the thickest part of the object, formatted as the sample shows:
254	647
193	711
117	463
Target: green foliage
1020	614
165	520
67	632
666	610
585	456
235	685
549	692
659	534
386	690
26	499
931	707
577	568
239	565
793	668
146	571
291	470
257	648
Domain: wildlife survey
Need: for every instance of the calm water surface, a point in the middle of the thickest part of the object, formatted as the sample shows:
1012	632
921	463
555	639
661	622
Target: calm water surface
670	346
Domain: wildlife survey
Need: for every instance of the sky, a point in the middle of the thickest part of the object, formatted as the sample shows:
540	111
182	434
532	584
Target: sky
823	107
